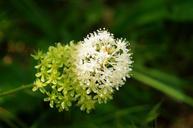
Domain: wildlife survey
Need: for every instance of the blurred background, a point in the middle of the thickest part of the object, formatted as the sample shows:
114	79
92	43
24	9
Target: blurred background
161	35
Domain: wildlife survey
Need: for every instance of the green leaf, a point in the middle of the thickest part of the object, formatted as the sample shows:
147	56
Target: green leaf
153	114
163	87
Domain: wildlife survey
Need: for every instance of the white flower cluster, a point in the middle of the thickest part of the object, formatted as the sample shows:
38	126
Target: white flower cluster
102	62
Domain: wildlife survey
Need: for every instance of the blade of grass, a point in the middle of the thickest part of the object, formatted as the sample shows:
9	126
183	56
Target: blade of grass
170	79
163	87
153	114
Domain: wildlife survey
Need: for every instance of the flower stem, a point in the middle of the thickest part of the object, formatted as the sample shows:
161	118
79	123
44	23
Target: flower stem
15	90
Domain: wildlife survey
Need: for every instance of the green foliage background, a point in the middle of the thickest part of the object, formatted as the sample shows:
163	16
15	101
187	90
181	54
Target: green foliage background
161	35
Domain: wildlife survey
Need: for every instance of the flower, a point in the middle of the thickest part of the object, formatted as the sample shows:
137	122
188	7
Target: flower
85	73
102	63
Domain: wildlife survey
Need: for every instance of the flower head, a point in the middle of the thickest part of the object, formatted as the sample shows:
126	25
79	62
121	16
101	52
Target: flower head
102	63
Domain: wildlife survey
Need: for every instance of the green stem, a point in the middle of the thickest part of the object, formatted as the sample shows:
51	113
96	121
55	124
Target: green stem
15	90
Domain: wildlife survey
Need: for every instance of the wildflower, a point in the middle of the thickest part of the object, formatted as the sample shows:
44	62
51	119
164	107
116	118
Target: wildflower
85	73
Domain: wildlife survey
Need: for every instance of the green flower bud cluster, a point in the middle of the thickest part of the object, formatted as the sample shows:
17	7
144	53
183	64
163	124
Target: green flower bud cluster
56	79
